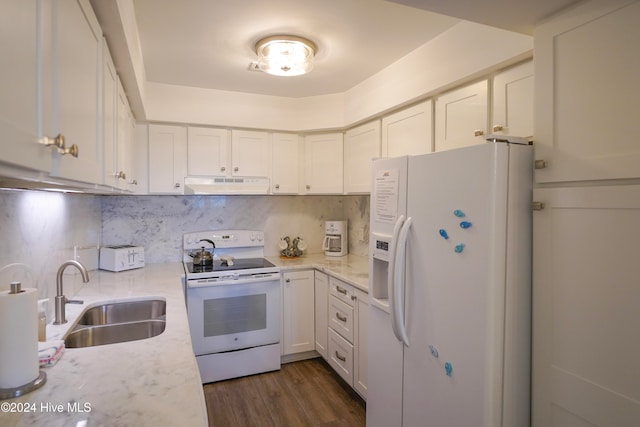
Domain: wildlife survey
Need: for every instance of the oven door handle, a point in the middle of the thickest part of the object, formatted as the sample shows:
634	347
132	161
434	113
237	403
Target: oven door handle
232	280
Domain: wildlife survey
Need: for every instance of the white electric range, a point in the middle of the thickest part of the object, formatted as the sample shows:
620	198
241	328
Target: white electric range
233	304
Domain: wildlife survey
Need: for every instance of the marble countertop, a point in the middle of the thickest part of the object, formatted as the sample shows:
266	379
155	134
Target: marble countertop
153	381
352	269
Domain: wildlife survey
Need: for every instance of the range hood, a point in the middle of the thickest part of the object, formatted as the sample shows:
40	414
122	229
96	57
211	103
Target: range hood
226	185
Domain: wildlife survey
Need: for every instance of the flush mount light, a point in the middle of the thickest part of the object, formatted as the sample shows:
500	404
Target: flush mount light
285	55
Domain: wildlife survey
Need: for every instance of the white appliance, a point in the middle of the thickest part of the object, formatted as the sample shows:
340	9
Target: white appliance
336	240
121	257
450	288
233	305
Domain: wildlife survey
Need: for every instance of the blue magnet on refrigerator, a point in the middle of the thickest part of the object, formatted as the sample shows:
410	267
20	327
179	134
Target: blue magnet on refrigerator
448	368
459	213
443	233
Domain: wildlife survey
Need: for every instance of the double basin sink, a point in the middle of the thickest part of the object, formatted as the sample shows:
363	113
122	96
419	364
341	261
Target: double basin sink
117	322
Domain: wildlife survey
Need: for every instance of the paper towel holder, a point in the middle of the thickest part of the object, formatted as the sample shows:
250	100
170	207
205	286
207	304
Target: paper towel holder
10	393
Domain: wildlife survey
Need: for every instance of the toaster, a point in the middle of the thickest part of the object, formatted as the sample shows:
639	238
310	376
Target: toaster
121	257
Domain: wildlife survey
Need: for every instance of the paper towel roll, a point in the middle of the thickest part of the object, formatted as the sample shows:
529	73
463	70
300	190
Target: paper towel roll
18	338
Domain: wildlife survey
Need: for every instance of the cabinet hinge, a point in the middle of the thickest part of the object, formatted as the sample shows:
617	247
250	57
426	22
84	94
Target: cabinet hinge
537	206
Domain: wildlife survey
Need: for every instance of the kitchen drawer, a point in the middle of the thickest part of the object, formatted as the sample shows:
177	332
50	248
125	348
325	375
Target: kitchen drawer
341	356
341	290
341	318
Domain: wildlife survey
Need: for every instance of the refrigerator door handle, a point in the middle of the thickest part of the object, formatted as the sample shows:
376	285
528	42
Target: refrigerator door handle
399	282
391	274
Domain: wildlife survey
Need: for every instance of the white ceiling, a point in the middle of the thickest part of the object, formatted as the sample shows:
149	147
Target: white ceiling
210	43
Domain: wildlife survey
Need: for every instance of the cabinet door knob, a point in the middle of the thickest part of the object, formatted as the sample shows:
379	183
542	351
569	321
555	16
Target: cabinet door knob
277	186
73	150
222	169
177	185
120	175
498	128
478	132
59	143
308	187
235	169
287	280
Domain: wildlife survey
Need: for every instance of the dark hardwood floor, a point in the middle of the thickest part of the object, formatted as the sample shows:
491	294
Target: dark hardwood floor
305	393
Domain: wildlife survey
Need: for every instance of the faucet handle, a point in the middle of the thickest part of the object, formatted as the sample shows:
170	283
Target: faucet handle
73	301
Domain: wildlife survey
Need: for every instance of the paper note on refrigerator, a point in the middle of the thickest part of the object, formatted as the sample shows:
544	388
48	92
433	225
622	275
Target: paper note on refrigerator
386	195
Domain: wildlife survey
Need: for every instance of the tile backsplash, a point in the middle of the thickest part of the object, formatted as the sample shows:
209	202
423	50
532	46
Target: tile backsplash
40	230
158	222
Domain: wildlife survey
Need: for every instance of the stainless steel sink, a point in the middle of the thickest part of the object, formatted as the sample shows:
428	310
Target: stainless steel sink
118	322
121	312
89	336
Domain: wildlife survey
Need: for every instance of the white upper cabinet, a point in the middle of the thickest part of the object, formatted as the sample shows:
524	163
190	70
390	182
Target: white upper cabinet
285	163
109	117
250	153
20	117
323	163
587	64
461	117
409	131
361	146
513	101
76	90
208	152
167	159
125	171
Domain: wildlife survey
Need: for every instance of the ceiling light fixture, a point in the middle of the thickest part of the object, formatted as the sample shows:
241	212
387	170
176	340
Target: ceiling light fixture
285	55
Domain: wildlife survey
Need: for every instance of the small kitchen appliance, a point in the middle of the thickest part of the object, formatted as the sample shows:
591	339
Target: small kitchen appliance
233	305
336	241
121	257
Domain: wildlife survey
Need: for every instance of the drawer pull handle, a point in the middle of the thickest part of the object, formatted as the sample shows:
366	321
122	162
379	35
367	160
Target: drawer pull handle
340	357
341	318
341	290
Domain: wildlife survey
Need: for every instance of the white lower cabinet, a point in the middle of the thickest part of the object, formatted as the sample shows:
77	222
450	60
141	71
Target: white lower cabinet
348	334
298	294
321	311
341	356
360	354
341	318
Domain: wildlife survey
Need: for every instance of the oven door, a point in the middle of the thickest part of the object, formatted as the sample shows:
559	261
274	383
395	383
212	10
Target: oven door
233	317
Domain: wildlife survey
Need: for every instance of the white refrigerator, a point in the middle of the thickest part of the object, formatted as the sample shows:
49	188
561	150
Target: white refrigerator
450	288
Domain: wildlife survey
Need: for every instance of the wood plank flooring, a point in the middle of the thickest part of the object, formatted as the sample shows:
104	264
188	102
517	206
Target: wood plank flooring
305	393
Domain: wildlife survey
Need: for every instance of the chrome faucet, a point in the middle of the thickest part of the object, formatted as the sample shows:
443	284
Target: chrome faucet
60	299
